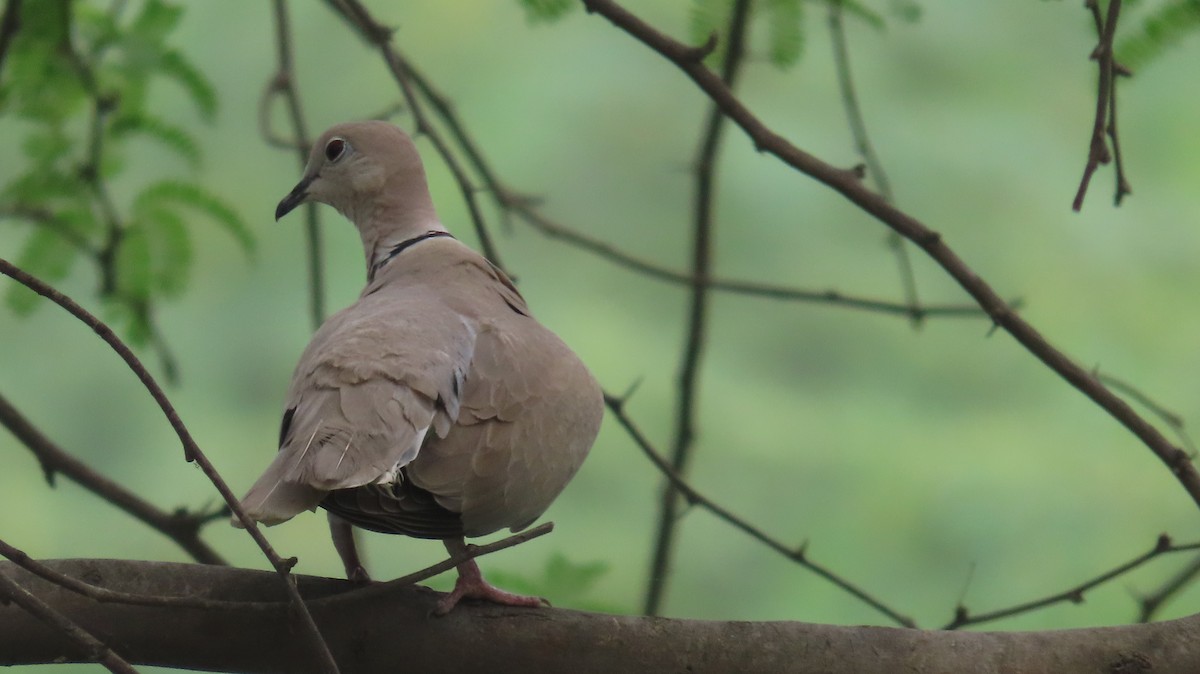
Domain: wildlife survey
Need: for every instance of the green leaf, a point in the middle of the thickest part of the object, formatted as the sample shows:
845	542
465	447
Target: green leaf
133	265
786	21
47	256
1164	28
167	192
908	11
562	580
46	145
170	251
546	11
203	95
156	20
42	185
170	136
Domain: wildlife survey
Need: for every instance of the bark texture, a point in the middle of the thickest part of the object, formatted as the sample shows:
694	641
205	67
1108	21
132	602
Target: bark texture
395	632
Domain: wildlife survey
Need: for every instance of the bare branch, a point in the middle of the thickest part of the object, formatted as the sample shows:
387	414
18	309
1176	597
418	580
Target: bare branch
181	527
796	554
1074	595
847	183
1106	28
697	319
191	450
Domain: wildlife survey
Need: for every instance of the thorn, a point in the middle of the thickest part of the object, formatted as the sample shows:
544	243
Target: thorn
698	54
1163	543
637	383
1076	597
286	565
801	551
859	171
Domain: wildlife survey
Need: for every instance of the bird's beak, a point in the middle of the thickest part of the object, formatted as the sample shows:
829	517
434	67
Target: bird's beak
297	196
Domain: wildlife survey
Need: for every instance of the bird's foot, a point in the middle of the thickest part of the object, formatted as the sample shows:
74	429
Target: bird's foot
358	575
471	585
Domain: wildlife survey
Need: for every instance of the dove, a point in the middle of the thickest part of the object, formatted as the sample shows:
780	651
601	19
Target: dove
436	406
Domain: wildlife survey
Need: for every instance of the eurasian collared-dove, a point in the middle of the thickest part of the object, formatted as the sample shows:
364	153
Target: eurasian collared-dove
435	406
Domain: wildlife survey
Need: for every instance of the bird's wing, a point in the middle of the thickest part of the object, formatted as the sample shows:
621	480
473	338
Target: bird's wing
374	381
528	415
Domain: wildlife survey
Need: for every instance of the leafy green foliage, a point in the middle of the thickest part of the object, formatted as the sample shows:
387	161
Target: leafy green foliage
1163	27
546	11
786	36
562	581
76	81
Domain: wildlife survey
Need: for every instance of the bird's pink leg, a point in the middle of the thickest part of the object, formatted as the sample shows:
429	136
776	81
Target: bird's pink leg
471	585
343	541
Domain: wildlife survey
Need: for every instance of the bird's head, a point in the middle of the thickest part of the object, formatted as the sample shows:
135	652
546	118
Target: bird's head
360	168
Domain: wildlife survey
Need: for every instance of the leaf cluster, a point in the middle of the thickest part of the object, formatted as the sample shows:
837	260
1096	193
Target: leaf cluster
75	84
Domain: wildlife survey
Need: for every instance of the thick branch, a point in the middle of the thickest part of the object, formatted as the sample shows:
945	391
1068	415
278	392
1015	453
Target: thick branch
850	186
383	633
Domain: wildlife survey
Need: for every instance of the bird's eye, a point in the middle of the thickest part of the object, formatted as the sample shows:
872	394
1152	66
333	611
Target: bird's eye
334	149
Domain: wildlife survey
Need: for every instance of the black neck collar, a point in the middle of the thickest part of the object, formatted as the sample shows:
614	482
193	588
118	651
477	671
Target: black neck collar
404	245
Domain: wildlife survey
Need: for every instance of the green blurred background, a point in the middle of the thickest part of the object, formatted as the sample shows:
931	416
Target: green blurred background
925	465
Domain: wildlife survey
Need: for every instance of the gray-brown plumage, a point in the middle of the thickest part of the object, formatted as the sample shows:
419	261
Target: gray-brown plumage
435	406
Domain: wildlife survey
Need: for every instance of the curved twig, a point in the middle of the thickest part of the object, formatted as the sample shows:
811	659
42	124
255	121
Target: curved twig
191	450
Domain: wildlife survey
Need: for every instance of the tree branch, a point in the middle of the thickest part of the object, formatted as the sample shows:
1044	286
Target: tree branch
180	526
848	185
375	633
1106	28
697	319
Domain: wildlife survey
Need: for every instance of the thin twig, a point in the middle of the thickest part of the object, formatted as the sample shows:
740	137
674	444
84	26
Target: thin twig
94	649
1150	603
355	14
697	318
1172	419
1106	28
283	84
1074	595
850	186
862	142
105	595
191	450
471	552
181	527
799	555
